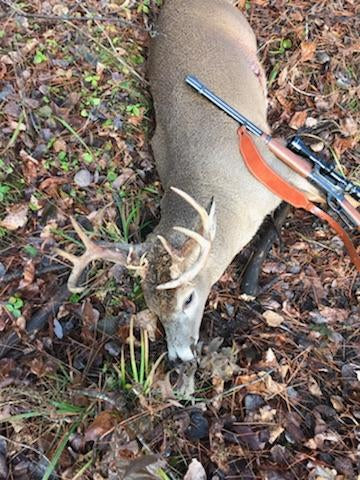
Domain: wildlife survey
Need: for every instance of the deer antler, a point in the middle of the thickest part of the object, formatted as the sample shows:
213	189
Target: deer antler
204	241
120	254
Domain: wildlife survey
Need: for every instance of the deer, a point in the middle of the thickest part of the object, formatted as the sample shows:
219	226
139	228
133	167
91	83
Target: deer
212	206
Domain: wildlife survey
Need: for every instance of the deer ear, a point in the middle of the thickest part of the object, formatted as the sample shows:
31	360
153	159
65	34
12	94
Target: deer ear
189	253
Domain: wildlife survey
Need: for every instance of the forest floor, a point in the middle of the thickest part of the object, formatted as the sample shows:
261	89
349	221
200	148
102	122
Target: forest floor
85	389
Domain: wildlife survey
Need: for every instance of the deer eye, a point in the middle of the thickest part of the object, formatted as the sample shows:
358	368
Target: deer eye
189	300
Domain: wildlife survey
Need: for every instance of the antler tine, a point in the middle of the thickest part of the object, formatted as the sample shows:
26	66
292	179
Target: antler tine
209	226
200	210
169	249
92	252
202	241
207	219
81	234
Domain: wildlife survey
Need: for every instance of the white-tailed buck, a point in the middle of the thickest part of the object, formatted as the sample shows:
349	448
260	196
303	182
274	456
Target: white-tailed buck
212	206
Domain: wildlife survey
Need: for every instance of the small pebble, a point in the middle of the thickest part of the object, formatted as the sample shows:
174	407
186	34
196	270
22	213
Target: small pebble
311	122
79	362
83	178
199	426
343	80
323	57
2	269
113	348
253	402
230	309
4	472
58	330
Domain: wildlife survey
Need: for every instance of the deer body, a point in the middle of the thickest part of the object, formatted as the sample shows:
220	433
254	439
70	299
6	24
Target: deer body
196	150
195	146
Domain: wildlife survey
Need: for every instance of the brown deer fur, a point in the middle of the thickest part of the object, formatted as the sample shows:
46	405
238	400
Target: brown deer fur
196	147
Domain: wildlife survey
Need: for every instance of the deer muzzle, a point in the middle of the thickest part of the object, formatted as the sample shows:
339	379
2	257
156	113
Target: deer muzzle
182	335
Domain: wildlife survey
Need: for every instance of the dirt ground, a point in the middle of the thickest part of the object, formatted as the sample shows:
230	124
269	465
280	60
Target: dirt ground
86	391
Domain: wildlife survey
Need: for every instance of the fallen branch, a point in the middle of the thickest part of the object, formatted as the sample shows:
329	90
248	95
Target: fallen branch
10	277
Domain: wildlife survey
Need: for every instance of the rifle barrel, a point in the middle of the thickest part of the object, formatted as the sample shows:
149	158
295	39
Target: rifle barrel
234	114
297	161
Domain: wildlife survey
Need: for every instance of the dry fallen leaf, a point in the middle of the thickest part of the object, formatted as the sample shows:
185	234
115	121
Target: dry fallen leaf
334	315
266	414
298	120
59	145
30	46
102	424
318	441
272	318
307	51
273	387
314	388
341	145
275	433
29	274
147	321
283	76
349	127
337	403
60	10
126	174
195	471
16	217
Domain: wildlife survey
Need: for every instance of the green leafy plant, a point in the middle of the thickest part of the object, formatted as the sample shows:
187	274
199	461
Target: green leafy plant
87	157
135	109
14	306
274	73
283	45
39	57
4	168
4	189
144	6
30	250
92	79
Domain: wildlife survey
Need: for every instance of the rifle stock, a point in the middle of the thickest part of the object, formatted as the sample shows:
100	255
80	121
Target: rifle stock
304	168
294	161
351	211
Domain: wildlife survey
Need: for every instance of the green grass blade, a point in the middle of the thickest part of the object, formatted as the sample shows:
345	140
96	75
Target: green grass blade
21	416
149	380
83	469
61	447
122	368
132	352
73	132
142	357
146	353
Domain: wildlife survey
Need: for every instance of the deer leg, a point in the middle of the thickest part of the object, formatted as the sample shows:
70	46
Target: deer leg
250	281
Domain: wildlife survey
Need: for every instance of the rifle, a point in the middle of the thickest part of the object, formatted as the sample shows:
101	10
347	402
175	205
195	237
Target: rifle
296	155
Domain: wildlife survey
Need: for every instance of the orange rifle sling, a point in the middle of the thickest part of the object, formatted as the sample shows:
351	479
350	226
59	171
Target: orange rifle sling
277	185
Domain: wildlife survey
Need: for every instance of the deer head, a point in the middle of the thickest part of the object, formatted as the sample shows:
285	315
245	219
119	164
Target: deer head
174	279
